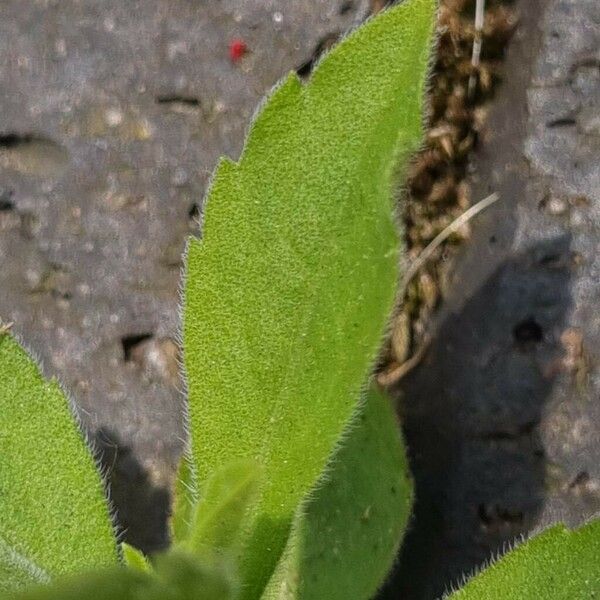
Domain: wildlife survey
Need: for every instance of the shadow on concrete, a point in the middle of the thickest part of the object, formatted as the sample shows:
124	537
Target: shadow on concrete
141	509
471	413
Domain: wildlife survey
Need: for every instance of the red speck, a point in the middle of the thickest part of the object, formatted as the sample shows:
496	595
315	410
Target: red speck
237	49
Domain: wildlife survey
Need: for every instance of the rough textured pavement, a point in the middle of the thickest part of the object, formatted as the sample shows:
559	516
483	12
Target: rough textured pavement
503	415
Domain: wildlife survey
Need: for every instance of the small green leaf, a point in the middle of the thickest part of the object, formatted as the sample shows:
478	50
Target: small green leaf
288	294
559	563
54	516
184	500
117	583
135	559
219	516
344	540
176	576
189	578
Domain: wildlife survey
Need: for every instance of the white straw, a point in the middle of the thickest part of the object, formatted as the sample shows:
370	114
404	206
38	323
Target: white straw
416	265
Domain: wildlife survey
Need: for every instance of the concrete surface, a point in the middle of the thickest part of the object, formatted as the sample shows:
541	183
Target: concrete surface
503	415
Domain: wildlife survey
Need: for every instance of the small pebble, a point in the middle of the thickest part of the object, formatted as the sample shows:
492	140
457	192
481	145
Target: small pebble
180	177
159	358
557	206
113	117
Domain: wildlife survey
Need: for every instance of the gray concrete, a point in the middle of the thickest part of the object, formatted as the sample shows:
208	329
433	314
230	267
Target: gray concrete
503	415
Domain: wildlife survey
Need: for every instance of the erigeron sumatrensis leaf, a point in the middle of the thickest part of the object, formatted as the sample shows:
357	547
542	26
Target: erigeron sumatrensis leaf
185	499
135	559
175	576
105	584
345	537
288	293
559	563
217	522
54	518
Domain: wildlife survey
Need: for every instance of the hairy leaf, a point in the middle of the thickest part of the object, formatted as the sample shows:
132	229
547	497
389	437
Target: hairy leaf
217	524
176	576
17	571
187	577
117	583
184	499
288	294
53	513
135	559
559	563
344	540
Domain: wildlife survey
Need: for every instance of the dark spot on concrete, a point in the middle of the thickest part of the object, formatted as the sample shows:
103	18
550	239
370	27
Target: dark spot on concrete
497	517
175	99
581	480
194	213
131	342
6	203
588	62
562	122
179	103
12	140
32	154
346	7
524	430
134	494
306	68
527	333
56	281
61	295
551	260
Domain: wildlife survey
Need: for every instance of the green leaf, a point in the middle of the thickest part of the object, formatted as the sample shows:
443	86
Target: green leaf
345	539
17	571
559	563
185	499
117	583
288	294
135	559
54	517
187	577
177	576
218	520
